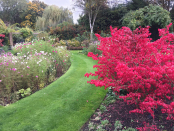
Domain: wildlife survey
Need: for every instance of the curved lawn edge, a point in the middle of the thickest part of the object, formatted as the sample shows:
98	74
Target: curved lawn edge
64	105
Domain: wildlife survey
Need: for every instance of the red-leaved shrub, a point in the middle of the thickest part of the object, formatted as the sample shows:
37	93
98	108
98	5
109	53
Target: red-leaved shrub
130	61
1	40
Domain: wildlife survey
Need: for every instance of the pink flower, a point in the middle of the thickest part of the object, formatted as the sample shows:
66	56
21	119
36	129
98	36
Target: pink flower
87	100
63	61
28	67
27	74
37	76
56	51
18	72
53	51
0	80
14	69
21	75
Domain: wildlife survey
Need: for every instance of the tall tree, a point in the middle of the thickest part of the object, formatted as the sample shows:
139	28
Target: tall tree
136	4
34	10
90	7
11	10
165	4
105	18
52	16
154	16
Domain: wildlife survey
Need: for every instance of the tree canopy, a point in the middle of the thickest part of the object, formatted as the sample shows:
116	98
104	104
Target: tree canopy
165	4
153	16
34	10
105	18
136	4
11	10
91	8
52	16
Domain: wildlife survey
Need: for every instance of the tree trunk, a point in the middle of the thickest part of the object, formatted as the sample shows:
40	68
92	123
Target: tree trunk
91	35
11	39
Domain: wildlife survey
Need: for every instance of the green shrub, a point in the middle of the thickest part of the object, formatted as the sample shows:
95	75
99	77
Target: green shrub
18	38
23	93
93	48
85	43
67	32
104	123
62	43
103	108
154	16
5	48
26	32
73	43
43	36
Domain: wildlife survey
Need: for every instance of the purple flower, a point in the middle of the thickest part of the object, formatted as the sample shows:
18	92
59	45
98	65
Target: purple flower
28	67
0	80
37	76
21	75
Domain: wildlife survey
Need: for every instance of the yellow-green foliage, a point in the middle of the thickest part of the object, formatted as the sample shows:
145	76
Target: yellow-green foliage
73	43
26	32
43	36
62	43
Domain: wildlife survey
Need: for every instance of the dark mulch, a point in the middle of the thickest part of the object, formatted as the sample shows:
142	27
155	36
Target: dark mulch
120	111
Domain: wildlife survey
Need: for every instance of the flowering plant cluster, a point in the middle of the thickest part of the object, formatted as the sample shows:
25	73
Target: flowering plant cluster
36	65
1	40
130	61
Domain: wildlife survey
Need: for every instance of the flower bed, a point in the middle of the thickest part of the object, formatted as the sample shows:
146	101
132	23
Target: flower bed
35	66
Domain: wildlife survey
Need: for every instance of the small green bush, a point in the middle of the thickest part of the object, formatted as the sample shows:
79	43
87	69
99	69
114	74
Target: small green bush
85	43
26	32
103	108
23	93
73	43
43	36
62	42
93	48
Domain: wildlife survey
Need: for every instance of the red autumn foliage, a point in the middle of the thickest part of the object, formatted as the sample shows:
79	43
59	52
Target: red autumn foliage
130	61
1	40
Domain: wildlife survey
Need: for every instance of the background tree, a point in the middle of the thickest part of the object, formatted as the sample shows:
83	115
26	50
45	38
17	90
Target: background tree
154	16
34	10
90	7
52	16
165	4
106	17
136	4
11	10
172	13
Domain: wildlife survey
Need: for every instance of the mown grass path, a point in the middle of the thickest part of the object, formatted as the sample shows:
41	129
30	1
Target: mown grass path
61	106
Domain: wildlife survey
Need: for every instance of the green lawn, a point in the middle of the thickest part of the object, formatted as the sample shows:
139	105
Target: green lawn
61	106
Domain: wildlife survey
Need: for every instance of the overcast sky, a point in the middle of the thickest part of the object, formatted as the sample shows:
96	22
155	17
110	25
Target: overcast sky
66	4
69	4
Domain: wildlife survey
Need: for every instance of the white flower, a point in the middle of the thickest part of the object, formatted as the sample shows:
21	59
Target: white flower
42	52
